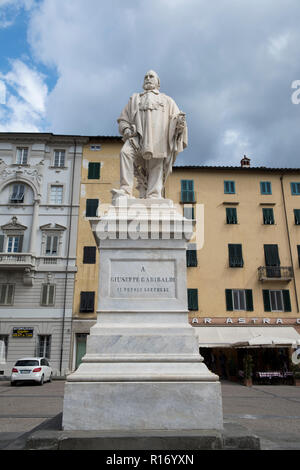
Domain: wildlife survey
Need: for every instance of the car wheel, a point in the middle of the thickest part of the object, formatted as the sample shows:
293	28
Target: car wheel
13	384
50	378
41	382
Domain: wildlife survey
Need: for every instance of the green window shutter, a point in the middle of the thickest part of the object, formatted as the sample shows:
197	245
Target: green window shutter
94	171
89	255
187	191
249	300
265	187
87	300
235	256
20	246
1	243
286	300
295	189
231	215
268	216
2	293
91	207
266	298
44	294
229	187
192	299
191	258
229	302
297	216
298	250
271	255
51	292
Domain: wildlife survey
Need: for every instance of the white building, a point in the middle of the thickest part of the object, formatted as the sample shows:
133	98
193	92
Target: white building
39	204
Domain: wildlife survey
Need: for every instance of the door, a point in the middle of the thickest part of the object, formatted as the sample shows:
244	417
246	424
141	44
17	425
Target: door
272	260
80	348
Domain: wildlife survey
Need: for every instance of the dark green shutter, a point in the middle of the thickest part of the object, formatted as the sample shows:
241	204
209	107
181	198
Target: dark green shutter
89	254
298	250
268	216
229	187
44	294
87	300
271	255
249	300
191	258
192	299
187	191
286	301
91	207
297	216
94	170
231	215
20	247
266	298
235	256
1	243
229	303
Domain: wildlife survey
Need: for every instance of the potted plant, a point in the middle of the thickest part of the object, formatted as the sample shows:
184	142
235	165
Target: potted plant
248	368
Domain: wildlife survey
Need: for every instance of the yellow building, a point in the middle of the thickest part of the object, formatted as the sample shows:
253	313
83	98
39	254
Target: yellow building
243	270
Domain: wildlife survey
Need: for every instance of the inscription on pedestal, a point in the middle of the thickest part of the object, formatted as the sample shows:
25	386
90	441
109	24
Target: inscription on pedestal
142	279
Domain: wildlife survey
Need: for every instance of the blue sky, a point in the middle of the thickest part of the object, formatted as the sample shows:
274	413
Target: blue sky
69	66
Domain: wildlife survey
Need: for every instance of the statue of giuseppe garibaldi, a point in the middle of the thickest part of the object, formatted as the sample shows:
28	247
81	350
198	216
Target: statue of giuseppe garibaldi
154	132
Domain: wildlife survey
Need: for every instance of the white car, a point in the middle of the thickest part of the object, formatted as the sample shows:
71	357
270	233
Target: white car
36	369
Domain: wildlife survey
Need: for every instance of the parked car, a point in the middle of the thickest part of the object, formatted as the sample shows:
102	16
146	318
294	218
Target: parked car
36	369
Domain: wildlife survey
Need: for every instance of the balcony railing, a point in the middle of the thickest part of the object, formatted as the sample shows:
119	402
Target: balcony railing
275	273
17	260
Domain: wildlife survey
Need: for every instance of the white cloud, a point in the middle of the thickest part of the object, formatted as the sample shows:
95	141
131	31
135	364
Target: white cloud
9	10
26	95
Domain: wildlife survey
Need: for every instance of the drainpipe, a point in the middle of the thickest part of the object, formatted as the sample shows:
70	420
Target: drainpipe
289	241
67	262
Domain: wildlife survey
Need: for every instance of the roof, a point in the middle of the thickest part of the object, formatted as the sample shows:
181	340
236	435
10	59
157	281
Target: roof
237	168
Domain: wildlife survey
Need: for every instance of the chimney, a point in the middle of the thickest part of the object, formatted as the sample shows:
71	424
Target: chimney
245	162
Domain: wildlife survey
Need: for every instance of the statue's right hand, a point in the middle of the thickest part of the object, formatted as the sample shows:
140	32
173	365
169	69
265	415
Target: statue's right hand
127	133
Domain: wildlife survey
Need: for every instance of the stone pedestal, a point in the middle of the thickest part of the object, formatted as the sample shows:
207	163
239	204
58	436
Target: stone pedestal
142	369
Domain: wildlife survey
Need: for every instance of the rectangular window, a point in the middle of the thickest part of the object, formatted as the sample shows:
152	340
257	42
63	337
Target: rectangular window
51	245
18	193
265	187
277	300
272	260
89	254
298	251
297	216
87	301
192	295
295	189
188	212
15	244
191	255
59	158
239	299
22	155
91	207
56	194
94	171
229	187
268	216
7	294
48	294
231	215
235	256
187	191
44	346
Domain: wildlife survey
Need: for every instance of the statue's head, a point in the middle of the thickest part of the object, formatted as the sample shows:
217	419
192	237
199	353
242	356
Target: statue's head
151	81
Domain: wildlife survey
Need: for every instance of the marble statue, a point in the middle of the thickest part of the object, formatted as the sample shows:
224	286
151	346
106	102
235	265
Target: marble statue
154	132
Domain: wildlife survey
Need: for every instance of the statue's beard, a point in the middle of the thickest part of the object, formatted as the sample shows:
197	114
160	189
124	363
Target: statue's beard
149	86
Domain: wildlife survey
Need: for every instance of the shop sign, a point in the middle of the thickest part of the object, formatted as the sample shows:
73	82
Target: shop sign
246	321
22	332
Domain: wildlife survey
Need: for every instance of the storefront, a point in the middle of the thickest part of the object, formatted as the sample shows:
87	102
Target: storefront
228	351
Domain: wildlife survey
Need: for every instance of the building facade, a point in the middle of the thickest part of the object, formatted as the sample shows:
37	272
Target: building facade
39	208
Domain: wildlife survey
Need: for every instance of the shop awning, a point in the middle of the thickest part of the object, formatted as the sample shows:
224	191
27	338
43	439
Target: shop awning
238	337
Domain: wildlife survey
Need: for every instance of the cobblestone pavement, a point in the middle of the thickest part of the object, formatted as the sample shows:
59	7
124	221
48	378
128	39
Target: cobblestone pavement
271	412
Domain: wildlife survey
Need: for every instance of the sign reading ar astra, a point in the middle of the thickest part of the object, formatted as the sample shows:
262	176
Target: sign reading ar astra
143	279
248	321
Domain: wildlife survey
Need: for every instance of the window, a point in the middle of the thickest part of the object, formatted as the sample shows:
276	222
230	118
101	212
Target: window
94	171
298	251
272	260
231	215
187	191
3	348
265	187
56	194
59	158
239	299
192	295
295	189
297	216
51	245
22	155
7	294
188	212
87	301
15	244
191	255
44	346
95	148
48	294
89	254
229	187
277	300
268	216
235	256
91	207
17	193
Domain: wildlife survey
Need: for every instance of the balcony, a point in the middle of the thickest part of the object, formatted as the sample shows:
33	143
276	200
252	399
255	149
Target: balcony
275	273
17	261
